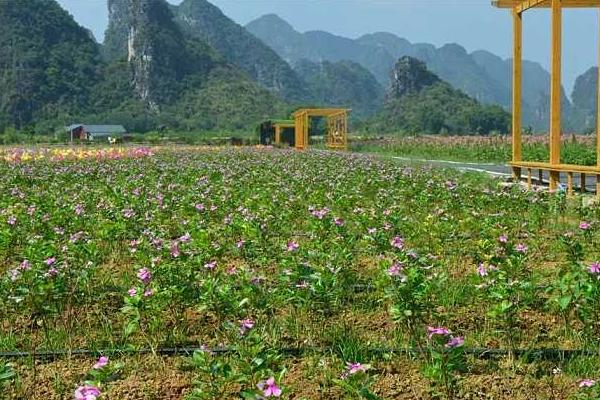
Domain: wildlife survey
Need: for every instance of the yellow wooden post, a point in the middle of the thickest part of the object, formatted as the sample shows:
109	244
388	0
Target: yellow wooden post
598	119
277	134
570	183
517	82
555	91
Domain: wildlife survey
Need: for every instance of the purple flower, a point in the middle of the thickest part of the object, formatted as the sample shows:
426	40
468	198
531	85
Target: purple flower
200	207
101	363
175	252
481	270
128	213
521	248
210	265
292	246
269	388
185	238
144	275
397	242
395	269
455	342
583	225
587	383
148	292
594	268
132	292
50	261
78	209
240	243
353	368
246	325
87	392
431	331
503	239
52	272
12	220
338	221
25	266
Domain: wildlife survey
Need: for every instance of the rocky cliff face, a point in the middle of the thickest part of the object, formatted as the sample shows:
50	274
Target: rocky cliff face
585	100
159	55
203	20
410	76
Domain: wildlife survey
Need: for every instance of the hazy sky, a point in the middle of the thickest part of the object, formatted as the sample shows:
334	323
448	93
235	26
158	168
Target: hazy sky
474	24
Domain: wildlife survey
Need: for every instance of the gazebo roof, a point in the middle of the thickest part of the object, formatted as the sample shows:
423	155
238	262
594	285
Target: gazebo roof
526	4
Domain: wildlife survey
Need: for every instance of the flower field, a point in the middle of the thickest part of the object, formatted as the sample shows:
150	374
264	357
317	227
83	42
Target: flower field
200	273
576	149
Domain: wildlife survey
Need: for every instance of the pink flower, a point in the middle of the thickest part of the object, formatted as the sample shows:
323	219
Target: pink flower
50	261
481	270
395	269
185	238
521	248
353	368
175	252
594	268
583	225
503	239
128	213
12	220
240	243
101	363
78	209
144	275
132	292
87	392
455	342
338	221
397	242
148	292
199	207
210	265
587	383
25	266
292	246
52	272
269	388
431	331
246	325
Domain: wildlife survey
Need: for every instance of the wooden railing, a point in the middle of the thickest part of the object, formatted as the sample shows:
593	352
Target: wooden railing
554	170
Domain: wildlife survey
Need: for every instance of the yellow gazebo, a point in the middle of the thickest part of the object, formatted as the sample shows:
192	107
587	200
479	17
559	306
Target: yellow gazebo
554	167
337	126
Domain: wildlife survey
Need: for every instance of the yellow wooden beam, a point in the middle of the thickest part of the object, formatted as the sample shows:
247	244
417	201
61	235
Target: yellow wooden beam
580	169
555	90
527	4
545	3
517	82
598	117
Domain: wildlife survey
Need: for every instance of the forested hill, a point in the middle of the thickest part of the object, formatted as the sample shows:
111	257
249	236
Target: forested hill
418	101
47	63
482	75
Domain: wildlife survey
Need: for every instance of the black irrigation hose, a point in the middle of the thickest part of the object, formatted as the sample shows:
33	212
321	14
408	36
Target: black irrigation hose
481	353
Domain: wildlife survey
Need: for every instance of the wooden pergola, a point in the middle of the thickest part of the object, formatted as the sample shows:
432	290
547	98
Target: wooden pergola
337	126
554	166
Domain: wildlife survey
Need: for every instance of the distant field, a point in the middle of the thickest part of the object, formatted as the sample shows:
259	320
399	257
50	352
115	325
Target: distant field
292	271
495	149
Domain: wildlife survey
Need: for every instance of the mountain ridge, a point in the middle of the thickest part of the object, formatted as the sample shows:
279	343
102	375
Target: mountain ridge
379	51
